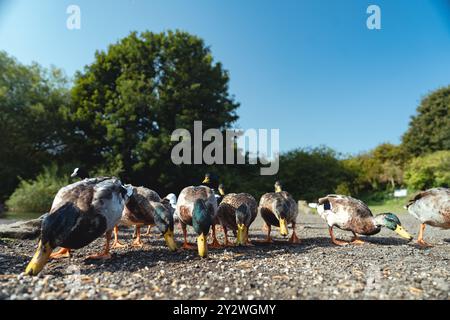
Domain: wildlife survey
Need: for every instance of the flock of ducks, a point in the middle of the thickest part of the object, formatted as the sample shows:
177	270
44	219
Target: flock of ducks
92	207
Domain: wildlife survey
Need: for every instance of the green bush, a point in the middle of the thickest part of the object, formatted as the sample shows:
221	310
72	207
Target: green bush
37	195
432	170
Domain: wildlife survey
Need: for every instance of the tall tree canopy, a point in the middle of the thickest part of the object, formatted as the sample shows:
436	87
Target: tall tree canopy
430	129
129	100
31	123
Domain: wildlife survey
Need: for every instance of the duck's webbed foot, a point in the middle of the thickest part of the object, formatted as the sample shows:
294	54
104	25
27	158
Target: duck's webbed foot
105	255
420	240
61	253
334	240
294	238
356	240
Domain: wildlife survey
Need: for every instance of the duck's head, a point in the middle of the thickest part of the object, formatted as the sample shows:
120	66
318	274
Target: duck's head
243	215
280	208
391	221
278	186
42	254
164	222
80	173
207	178
201	221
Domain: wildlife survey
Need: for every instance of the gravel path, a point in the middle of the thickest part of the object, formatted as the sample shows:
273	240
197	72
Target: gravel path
386	267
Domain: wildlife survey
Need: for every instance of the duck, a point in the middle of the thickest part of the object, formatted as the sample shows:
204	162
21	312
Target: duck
80	213
237	211
279	209
431	207
170	201
353	215
197	207
144	207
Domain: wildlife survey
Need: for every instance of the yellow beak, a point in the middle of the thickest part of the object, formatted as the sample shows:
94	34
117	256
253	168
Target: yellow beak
403	233
39	260
283	227
168	236
241	232
206	180
202	246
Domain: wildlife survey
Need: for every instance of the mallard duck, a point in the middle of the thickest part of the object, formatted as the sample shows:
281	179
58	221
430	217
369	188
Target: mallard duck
145	208
81	212
431	207
279	209
197	207
237	211
170	201
353	215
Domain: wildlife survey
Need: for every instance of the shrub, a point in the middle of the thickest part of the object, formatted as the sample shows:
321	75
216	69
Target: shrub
432	170
37	195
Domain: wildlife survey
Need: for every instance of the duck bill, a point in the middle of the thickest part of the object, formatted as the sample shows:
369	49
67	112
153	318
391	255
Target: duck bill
206	180
403	233
240	237
283	227
168	236
39	259
202	246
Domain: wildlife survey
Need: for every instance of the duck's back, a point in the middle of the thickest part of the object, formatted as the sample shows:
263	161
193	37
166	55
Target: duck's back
432	207
267	201
230	203
347	213
187	198
140	209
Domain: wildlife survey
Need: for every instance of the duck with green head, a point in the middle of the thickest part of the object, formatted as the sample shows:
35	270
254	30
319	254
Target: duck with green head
197	207
353	215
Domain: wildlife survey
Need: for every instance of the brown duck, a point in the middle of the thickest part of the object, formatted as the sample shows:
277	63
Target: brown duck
236	212
279	209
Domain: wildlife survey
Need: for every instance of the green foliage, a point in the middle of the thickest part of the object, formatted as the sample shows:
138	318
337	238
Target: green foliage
430	129
37	195
378	170
132	97
32	128
432	170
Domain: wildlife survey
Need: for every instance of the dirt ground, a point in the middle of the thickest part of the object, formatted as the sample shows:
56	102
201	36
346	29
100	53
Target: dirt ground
385	267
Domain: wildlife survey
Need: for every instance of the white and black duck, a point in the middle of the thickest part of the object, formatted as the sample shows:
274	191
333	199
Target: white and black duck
430	207
81	212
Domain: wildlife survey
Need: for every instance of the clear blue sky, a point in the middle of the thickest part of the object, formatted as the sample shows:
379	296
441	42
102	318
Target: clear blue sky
310	68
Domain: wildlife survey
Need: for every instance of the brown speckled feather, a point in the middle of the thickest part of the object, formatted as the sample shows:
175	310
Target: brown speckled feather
347	213
432	207
227	209
266	207
185	203
140	207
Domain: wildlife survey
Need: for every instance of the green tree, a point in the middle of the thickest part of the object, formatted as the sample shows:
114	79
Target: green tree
429	130
129	100
32	126
432	170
